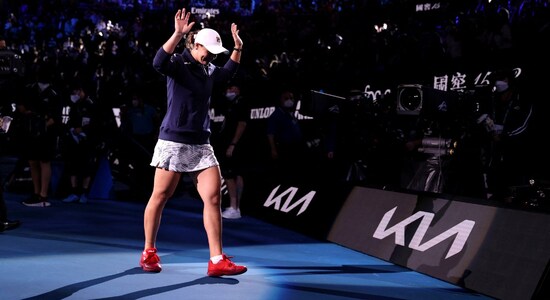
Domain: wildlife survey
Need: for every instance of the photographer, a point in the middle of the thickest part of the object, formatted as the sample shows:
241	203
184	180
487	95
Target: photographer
11	72
507	125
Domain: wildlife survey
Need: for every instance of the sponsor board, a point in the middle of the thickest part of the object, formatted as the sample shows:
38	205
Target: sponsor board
496	251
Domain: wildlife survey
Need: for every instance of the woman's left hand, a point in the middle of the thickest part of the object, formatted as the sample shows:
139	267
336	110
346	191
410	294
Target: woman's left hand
236	38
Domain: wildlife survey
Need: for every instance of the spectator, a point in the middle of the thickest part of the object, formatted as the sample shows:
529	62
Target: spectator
139	125
8	76
80	144
139	121
42	117
11	75
286	139
229	147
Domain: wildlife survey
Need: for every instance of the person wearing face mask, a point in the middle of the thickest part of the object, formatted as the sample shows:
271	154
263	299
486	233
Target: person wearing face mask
42	113
139	124
286	139
183	144
140	121
229	144
507	126
79	144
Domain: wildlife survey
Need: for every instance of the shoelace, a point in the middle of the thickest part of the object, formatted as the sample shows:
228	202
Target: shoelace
150	260
228	259
150	256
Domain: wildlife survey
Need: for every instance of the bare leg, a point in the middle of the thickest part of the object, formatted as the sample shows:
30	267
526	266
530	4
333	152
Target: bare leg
74	182
35	175
208	184
232	191
45	177
235	189
165	184
86	182
240	185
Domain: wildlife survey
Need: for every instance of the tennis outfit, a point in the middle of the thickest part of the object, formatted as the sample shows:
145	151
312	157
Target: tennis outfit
180	157
184	137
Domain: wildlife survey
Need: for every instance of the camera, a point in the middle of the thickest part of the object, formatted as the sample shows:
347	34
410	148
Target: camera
438	146
416	99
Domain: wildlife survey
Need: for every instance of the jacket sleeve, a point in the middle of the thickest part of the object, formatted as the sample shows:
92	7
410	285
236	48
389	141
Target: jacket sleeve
522	116
165	63
227	72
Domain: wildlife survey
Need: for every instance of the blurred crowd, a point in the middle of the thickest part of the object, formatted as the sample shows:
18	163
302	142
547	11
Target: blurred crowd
329	45
106	48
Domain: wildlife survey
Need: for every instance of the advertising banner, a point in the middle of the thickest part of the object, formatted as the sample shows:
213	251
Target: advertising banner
497	251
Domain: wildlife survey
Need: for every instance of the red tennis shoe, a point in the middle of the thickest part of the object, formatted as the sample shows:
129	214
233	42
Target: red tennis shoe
150	261
224	267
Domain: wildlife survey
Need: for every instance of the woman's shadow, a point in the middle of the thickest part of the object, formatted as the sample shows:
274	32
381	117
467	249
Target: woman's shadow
68	290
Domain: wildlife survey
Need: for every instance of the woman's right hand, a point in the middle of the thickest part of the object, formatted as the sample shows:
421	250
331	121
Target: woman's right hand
181	22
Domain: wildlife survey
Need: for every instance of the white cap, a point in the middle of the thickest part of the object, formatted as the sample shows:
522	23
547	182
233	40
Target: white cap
211	40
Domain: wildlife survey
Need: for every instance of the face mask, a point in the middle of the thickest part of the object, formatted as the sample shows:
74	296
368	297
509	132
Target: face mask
75	98
288	103
43	86
501	86
230	95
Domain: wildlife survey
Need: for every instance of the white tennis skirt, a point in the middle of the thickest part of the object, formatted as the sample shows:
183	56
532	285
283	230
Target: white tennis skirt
183	158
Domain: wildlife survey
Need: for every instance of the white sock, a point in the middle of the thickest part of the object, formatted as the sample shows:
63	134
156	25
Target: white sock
216	259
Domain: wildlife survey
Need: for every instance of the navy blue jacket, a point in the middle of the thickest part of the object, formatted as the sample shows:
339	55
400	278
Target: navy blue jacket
189	89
